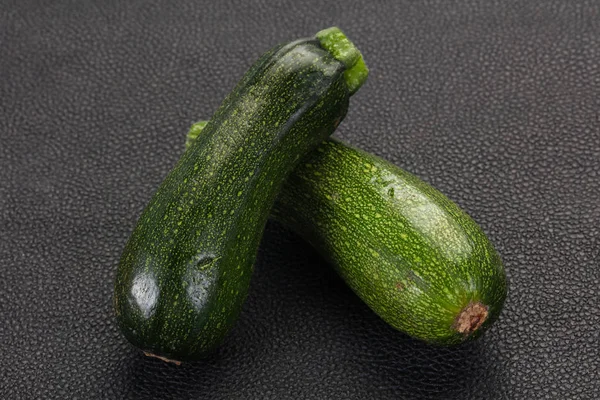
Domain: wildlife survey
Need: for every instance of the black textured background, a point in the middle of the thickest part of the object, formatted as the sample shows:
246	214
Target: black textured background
496	103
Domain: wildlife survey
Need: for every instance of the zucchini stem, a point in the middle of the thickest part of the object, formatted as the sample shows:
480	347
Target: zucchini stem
472	316
178	363
337	43
194	132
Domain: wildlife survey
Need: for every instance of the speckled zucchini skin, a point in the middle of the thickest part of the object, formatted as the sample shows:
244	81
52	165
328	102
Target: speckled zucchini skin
186	268
411	254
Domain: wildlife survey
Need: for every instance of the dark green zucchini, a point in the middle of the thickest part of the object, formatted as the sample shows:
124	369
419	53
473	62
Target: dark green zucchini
410	253
185	271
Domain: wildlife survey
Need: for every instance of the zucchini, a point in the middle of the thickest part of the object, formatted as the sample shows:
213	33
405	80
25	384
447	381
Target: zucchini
185	271
411	254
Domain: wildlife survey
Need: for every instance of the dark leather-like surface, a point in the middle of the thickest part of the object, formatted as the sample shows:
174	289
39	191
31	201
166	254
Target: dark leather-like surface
496	103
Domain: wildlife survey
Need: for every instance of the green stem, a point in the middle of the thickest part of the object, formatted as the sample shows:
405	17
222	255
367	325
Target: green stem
194	132
337	43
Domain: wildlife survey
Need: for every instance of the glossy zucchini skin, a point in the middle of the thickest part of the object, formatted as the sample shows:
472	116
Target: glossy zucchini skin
185	271
410	253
